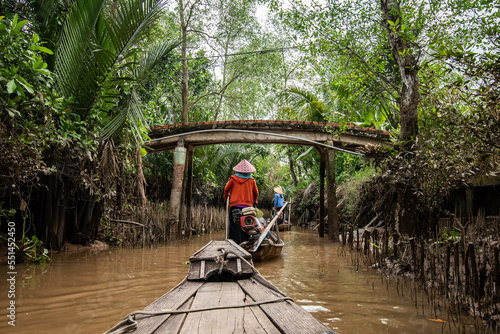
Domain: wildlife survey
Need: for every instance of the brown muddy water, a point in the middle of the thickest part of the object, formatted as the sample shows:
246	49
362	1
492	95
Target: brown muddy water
90	291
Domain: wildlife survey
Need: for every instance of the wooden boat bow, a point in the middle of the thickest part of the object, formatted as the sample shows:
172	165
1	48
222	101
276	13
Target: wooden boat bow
220	296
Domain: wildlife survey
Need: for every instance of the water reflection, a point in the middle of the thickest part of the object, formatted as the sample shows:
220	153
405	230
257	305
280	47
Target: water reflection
88	292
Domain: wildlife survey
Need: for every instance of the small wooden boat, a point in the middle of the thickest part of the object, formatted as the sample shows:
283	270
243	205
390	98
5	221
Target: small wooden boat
284	226
263	244
270	248
222	293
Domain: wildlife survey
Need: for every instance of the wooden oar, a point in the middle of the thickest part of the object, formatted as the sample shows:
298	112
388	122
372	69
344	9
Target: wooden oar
268	228
227	218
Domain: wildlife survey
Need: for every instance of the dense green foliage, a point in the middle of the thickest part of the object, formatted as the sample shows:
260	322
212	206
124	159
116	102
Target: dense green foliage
368	55
83	79
71	124
33	117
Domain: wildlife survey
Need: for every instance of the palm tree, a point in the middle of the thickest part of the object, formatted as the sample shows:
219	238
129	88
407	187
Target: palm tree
303	105
361	105
100	59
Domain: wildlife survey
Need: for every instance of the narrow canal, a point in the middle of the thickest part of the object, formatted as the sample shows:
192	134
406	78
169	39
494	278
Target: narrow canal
90	291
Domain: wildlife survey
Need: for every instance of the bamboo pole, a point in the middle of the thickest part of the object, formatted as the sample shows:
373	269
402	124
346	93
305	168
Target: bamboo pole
351	236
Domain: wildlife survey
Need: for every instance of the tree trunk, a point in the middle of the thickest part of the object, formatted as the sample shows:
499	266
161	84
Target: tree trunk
92	218
175	202
331	195
60	208
141	181
48	203
119	186
322	167
184	63
409	98
189	189
408	69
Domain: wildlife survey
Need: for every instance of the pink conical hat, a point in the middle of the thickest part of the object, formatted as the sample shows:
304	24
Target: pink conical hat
244	167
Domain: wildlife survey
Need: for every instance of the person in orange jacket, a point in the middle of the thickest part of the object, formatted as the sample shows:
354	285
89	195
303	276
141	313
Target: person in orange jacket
243	193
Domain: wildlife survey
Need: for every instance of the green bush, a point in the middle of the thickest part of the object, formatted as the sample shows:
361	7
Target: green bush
349	192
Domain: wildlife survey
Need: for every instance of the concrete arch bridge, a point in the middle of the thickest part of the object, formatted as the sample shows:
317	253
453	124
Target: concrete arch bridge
326	138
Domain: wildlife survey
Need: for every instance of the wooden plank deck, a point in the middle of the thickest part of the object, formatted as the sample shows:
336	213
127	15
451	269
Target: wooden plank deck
224	303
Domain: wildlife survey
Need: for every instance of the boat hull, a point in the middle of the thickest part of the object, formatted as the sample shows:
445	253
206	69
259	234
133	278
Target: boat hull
223	293
284	227
269	249
267	252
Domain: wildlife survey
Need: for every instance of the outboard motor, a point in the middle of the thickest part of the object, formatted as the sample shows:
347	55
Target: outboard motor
249	222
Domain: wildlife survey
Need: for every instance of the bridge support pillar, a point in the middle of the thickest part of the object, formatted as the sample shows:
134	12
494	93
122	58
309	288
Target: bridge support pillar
331	193
189	188
321	229
174	205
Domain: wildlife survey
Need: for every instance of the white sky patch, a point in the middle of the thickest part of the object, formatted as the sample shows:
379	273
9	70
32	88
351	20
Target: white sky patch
261	13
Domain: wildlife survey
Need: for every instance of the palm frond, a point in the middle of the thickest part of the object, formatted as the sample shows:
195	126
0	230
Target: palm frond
308	105
46	12
93	43
223	156
114	124
304	153
133	18
75	71
151	58
340	91
129	109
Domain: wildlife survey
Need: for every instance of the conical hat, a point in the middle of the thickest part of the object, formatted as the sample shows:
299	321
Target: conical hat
244	167
278	190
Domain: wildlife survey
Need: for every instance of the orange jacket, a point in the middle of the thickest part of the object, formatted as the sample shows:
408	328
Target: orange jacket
243	191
